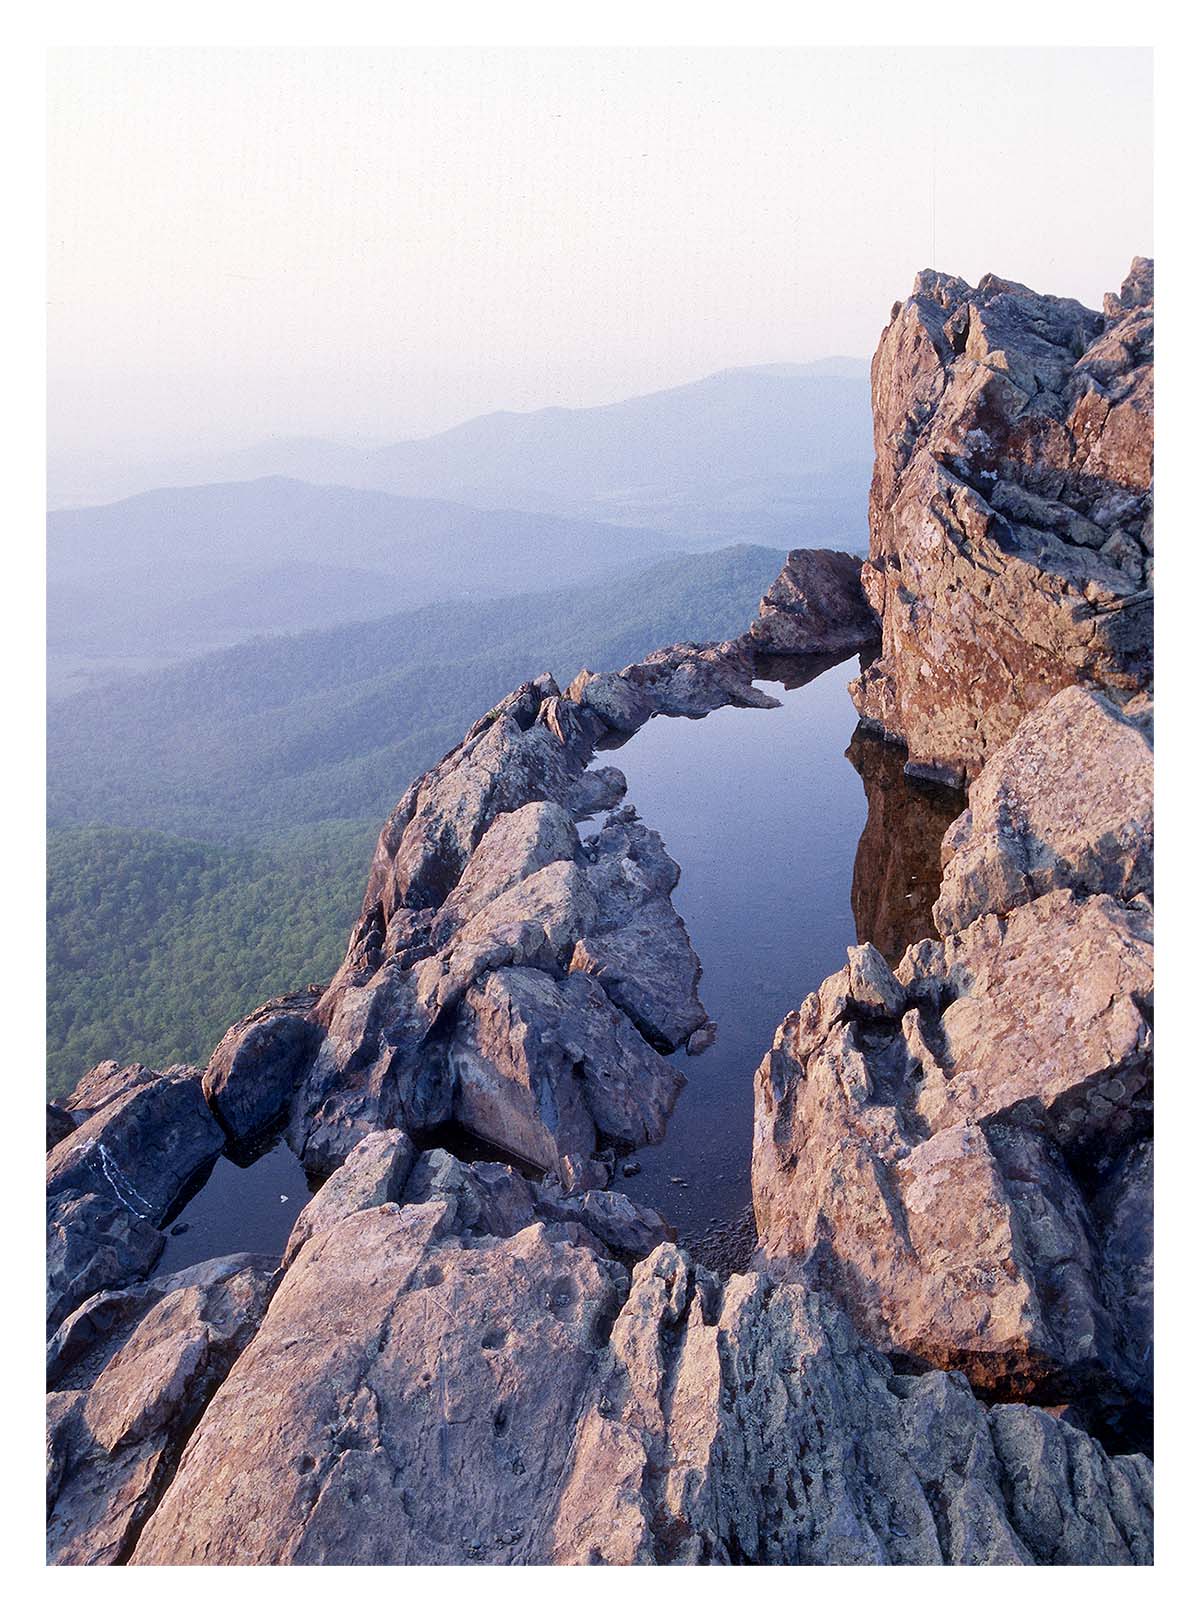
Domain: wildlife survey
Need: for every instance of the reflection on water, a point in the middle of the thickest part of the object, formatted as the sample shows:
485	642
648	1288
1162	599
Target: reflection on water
897	868
784	866
762	813
239	1209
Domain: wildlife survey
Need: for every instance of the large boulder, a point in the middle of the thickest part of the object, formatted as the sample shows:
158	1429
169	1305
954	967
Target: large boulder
932	1148
111	1182
375	1172
1067	803
253	1074
816	606
549	1069
1011	541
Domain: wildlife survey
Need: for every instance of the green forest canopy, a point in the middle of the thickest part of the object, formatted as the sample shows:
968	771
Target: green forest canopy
212	824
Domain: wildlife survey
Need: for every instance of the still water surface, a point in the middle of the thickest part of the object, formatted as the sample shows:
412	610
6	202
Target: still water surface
796	837
763	813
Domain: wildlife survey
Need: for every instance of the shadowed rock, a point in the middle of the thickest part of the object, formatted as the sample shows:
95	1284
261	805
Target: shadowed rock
111	1181
129	1375
931	1148
816	606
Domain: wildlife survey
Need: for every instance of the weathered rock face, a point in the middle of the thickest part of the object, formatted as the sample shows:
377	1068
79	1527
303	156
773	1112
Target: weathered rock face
1067	803
434	1383
112	1179
252	1076
466	1362
1011	543
816	606
129	1374
505	974
932	1148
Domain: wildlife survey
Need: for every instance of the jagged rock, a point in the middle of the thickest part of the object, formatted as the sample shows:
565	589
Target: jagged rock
426	1388
693	679
106	1081
375	1172
649	970
628	1228
59	1123
1013	442
816	606
1067	803
517	845
543	1068
129	1375
481	869
254	1072
620	705
700	1040
111	1182
506	761
93	1242
142	1148
932	1150
897	866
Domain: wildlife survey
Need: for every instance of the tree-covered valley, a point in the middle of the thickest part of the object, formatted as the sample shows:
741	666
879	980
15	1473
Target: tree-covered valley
211	824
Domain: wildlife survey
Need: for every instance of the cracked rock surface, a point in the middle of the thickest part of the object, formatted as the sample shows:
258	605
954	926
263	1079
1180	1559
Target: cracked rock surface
1011	530
435	1383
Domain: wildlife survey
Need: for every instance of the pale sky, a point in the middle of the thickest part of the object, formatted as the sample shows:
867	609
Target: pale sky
380	243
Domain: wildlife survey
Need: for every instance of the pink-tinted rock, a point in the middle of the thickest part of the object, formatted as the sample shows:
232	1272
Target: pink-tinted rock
1009	511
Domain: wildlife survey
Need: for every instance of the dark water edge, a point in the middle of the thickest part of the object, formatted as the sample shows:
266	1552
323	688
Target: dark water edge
247	1208
798	834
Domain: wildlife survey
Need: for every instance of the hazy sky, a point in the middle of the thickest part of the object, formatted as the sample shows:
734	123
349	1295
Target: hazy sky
381	243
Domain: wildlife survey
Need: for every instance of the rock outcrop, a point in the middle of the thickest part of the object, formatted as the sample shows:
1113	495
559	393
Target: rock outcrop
436	1382
1067	803
1011	535
961	1152
112	1179
932	1149
942	1349
507	974
129	1375
815	606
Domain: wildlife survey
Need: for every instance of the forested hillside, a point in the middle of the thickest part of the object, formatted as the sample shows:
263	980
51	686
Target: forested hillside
212	824
335	724
156	945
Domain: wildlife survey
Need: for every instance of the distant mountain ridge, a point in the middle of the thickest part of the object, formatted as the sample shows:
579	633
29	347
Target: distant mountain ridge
663	458
312	533
285	731
179	571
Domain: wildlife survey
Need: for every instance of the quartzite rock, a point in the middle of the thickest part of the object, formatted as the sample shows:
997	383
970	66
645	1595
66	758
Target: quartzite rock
129	1375
544	1067
253	1074
935	1152
816	606
1011	548
375	1172
112	1180
1067	803
426	1388
142	1148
